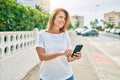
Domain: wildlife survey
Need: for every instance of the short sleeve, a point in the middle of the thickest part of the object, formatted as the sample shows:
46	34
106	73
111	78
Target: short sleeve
40	41
68	40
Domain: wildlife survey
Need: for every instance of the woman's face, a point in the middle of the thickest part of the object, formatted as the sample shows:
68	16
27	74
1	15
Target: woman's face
59	21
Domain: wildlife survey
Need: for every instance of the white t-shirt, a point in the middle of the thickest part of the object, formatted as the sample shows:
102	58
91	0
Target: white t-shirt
58	68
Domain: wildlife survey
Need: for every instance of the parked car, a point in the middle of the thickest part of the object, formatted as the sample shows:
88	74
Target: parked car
90	32
79	30
113	31
117	31
107	30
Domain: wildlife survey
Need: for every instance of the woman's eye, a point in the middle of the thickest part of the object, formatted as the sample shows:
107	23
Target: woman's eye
60	16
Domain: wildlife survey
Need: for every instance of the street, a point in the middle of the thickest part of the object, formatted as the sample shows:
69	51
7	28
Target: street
103	55
100	59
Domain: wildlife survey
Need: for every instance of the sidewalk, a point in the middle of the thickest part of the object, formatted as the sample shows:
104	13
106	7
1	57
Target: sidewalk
33	74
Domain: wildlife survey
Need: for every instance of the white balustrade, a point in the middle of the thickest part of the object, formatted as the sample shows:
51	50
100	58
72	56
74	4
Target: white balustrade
17	54
11	42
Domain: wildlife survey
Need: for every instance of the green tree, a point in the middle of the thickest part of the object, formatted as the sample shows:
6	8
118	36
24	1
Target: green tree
77	24
39	8
16	17
94	23
107	24
70	26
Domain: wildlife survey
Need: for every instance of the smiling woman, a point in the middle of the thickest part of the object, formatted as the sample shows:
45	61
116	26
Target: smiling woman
54	48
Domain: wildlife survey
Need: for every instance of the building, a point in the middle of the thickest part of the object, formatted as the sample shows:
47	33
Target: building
45	4
113	17
77	21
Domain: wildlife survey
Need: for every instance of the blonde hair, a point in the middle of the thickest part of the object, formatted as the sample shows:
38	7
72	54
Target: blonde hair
52	18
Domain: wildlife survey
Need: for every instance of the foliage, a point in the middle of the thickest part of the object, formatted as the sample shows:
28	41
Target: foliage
39	8
77	24
85	27
16	17
70	26
99	28
117	27
107	24
94	23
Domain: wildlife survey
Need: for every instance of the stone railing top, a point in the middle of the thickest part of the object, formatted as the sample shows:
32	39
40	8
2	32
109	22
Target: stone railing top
10	42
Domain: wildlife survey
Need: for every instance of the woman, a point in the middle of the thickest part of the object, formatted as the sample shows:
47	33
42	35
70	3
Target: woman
54	48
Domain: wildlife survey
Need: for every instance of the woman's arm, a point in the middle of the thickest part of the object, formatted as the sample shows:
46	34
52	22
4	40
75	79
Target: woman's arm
45	57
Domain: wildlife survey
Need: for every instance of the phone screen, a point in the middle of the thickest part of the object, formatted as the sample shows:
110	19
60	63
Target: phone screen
77	49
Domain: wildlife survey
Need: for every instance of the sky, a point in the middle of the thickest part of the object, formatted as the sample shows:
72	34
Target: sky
90	9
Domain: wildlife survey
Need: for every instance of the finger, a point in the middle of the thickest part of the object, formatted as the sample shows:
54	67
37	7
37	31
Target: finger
78	52
69	50
67	53
77	56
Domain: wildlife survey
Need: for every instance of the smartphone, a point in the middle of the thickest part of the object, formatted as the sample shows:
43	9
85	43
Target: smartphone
77	49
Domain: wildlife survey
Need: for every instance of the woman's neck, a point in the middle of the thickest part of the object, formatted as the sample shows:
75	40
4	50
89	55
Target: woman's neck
55	31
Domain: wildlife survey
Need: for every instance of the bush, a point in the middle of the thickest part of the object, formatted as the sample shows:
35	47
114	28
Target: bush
16	17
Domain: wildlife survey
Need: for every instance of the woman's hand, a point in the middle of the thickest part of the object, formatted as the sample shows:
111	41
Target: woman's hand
77	55
67	52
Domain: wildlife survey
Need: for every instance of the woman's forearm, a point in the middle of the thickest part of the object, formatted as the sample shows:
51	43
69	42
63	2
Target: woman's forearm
46	57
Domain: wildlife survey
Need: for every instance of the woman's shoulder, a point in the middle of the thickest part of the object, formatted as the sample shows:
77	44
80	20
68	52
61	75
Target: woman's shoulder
42	32
66	33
